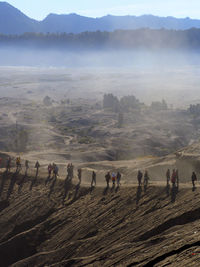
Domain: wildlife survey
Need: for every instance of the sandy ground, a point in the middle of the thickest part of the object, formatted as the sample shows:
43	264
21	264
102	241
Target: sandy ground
64	225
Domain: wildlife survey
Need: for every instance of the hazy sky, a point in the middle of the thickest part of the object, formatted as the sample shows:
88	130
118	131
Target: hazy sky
39	9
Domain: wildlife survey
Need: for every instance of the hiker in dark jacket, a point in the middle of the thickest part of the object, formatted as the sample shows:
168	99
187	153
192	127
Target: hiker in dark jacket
146	178
193	178
108	178
8	164
80	175
118	178
93	178
26	166
173	178
37	166
168	176
139	177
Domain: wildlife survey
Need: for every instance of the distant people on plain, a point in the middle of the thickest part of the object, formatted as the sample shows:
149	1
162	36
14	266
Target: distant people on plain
113	179
93	179
168	176
37	166
119	178
108	178
79	175
26	166
177	178
8	164
173	178
193	178
18	164
146	179
70	171
55	171
50	169
139	177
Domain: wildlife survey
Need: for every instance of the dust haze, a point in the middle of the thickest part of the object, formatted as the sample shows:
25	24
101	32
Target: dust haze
149	75
56	98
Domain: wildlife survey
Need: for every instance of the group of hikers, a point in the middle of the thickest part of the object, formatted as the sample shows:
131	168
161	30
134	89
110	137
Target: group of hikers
53	169
174	177
140	176
113	177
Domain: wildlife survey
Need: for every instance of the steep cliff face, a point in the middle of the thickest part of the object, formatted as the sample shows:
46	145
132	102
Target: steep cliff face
66	225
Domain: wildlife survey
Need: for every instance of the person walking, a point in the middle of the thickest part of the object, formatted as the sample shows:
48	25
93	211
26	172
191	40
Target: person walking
79	175
8	164
146	180
55	171
37	166
71	171
173	178
193	178
93	178
18	164
113	179
177	179
108	178
26	166
49	168
139	177
119	178
168	176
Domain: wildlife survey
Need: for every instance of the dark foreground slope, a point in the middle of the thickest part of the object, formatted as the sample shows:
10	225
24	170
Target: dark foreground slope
98	227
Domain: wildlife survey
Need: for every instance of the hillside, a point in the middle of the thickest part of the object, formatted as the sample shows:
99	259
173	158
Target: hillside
97	228
13	21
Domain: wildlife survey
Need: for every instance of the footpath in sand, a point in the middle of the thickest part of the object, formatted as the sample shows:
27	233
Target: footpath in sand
70	225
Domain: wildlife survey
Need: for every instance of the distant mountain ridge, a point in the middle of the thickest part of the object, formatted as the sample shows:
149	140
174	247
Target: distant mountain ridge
13	21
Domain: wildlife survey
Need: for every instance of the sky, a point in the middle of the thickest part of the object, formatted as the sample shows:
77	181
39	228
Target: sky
39	9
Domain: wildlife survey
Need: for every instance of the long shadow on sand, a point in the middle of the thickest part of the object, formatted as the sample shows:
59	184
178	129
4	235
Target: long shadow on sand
117	189
105	191
92	189
138	194
52	186
79	193
21	183
77	189
4	176
67	187
32	183
174	192
12	184
112	188
167	190
194	188
49	179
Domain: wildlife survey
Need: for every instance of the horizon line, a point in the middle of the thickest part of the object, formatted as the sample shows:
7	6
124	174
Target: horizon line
98	17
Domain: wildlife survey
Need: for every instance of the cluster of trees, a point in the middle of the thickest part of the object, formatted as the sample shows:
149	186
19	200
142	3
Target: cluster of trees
125	104
145	38
159	105
194	110
121	106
